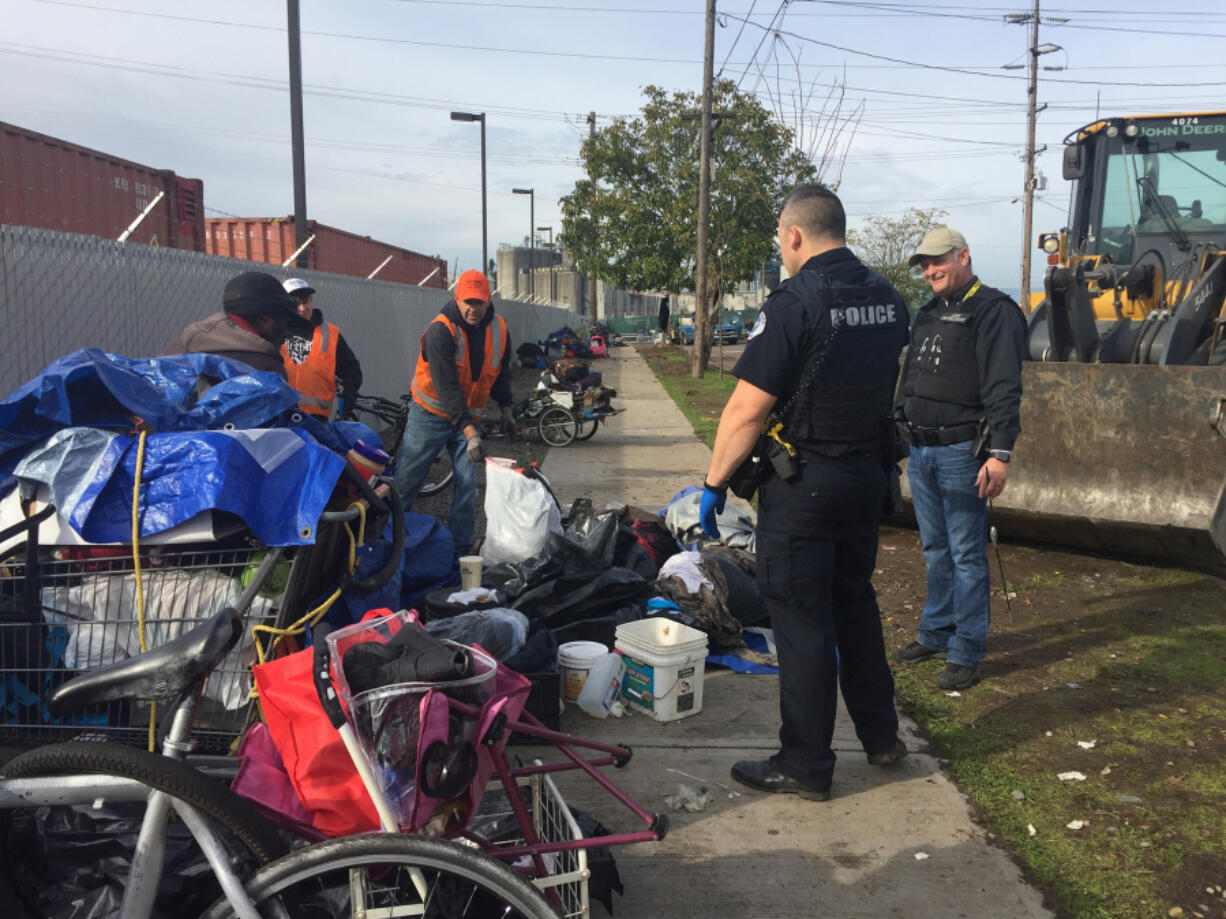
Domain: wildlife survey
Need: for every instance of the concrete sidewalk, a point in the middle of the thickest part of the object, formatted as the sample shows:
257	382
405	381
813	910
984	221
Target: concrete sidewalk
897	842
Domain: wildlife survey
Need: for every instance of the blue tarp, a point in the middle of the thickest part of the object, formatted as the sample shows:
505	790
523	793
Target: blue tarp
240	446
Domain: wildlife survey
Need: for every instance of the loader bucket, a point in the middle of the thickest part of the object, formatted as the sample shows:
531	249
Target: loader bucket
1120	458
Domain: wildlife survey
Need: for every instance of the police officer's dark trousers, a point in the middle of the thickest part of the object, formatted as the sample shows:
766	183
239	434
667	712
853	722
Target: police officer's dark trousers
817	547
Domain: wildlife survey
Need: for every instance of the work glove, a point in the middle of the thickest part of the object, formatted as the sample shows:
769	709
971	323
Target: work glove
713	500
475	449
506	423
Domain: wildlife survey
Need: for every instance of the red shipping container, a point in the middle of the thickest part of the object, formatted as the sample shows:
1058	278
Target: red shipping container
48	182
272	241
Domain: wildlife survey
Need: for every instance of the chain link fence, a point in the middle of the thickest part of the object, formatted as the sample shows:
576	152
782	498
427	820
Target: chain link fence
60	292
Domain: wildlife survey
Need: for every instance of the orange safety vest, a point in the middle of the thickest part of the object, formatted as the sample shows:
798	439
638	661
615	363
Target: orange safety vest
313	373
476	392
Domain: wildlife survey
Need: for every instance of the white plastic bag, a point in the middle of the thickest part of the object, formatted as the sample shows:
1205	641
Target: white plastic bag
520	513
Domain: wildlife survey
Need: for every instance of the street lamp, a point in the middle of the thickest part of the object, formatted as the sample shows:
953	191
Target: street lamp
485	254
553	296
531	193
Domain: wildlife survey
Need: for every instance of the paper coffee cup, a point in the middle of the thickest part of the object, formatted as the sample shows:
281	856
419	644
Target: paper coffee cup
470	571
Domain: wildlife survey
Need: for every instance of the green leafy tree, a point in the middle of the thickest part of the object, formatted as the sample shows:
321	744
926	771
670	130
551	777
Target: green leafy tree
885	243
633	221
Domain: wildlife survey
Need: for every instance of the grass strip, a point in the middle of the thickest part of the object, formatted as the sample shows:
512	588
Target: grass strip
1130	664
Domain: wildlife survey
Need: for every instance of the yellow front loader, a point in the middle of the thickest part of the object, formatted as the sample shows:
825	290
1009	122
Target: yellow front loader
1122	445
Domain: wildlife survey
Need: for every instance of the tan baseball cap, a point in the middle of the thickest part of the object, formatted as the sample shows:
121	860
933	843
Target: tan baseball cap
938	241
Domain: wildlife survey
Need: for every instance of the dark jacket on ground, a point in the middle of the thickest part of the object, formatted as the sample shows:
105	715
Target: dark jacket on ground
438	350
348	368
221	335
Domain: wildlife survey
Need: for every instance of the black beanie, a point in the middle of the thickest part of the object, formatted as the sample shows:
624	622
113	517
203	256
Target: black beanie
255	293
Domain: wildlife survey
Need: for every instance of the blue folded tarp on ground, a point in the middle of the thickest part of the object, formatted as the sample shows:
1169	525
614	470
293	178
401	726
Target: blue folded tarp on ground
209	450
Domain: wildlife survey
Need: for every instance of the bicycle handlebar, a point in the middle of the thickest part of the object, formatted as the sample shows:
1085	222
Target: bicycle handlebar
382	510
323	678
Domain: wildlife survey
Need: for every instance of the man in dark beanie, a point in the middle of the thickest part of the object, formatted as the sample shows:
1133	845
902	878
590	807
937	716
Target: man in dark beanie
255	321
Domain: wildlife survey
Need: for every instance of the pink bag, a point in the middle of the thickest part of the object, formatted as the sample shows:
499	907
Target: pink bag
423	750
431	745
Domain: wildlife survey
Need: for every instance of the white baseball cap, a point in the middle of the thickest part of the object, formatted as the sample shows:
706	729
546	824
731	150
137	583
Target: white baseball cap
298	286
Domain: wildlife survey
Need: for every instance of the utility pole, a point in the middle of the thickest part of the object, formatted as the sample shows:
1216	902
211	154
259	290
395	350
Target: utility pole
697	364
296	135
1032	92
591	281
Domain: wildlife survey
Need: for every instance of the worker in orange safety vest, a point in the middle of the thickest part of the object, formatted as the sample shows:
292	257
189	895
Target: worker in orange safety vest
318	361
464	361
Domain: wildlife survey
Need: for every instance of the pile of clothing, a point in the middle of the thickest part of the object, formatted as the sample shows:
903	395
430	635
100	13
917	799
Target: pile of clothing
598	569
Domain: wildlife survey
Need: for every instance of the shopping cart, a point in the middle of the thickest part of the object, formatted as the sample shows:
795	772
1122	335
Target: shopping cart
425	752
65	609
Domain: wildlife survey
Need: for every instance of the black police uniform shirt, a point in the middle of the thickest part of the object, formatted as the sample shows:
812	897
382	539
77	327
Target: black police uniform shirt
850	404
965	363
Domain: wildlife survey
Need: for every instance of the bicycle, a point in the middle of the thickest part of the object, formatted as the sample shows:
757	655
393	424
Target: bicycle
555	425
384	872
387	874
391	417
399	874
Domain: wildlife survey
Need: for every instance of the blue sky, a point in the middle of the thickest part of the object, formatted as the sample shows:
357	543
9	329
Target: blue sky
931	116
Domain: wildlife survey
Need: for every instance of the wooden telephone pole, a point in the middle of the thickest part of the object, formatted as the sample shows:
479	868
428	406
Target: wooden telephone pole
1032	92
591	281
704	199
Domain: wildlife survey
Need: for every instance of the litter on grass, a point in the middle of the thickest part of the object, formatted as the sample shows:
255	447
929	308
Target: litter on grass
1071	777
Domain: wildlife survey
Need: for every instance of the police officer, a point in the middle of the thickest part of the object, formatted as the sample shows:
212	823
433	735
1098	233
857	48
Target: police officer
318	361
962	375
465	360
823	354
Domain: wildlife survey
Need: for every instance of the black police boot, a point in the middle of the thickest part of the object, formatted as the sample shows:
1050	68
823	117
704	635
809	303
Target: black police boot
763	776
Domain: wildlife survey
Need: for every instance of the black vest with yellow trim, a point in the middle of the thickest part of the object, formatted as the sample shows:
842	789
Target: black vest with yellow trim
942	363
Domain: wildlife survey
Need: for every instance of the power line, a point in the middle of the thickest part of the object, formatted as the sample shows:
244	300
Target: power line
971	70
739	33
895	8
968	72
753	57
254	82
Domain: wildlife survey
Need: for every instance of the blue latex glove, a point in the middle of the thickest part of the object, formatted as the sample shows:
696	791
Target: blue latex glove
713	501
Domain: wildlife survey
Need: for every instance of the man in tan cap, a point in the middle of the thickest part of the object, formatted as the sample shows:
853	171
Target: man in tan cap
958	408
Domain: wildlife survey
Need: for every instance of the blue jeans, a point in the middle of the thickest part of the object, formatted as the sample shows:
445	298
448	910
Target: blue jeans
425	436
953	526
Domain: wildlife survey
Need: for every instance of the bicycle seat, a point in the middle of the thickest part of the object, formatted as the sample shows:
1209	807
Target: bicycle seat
161	675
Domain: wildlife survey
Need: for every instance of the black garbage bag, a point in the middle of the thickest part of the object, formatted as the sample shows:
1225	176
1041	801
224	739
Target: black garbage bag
595	532
604	878
511	579
574	597
74	860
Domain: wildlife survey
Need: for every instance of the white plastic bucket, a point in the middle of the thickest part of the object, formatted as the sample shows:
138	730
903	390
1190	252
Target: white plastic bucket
665	662
575	659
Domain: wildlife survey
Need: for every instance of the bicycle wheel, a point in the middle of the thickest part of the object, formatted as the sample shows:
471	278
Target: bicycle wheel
586	428
40	846
391	875
438	478
557	426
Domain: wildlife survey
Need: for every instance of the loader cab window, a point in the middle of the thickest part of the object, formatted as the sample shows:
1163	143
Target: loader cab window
1167	181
